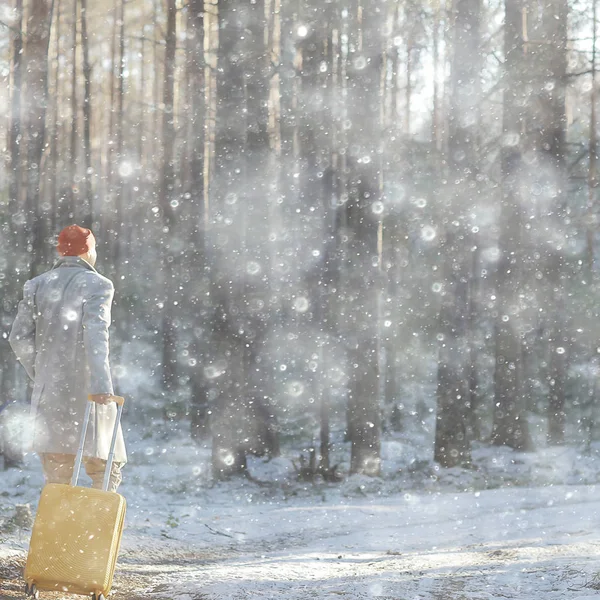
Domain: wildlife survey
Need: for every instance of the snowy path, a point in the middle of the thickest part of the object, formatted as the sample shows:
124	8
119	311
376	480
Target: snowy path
236	543
511	543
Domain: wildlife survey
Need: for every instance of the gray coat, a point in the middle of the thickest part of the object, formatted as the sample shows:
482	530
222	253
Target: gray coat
60	336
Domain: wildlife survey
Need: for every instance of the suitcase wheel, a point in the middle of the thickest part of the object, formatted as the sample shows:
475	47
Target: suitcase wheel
32	591
98	597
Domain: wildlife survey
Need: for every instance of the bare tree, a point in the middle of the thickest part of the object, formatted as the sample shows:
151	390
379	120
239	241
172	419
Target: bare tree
228	283
73	198
112	217
592	149
13	235
315	134
35	102
55	194
14	157
510	425
85	211
117	223
546	140
589	416
436	123
362	209
168	200
195	73
195	65
452	443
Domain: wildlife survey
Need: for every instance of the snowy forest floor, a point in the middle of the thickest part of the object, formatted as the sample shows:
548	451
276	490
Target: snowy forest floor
523	526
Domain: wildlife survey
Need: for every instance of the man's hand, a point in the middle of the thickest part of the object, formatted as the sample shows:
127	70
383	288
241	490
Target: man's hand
101	398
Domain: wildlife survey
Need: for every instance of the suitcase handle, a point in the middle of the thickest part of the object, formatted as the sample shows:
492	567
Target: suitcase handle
120	401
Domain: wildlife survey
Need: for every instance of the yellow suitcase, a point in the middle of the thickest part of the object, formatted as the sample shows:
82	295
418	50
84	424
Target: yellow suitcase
77	533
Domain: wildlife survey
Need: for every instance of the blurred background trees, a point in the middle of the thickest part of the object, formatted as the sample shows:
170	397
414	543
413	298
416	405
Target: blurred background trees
329	223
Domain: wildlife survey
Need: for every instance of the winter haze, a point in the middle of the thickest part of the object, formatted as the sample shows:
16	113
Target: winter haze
355	255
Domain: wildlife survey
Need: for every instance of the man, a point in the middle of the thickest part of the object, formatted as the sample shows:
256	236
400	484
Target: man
60	336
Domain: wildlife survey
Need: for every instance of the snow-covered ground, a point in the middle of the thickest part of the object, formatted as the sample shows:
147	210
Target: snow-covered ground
517	526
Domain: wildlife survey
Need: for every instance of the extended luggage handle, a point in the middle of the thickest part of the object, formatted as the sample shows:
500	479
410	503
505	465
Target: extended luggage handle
120	401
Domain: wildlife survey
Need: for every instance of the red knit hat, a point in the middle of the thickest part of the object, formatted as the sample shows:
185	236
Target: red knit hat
74	240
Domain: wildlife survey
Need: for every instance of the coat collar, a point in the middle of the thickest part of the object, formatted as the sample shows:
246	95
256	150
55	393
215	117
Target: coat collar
73	261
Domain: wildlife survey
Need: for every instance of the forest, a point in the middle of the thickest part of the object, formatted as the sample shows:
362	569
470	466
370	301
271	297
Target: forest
328	222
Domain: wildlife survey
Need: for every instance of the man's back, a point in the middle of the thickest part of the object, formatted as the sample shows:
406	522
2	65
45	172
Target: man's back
61	338
60	296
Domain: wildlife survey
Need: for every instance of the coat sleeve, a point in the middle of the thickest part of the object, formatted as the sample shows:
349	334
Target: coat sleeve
96	321
22	333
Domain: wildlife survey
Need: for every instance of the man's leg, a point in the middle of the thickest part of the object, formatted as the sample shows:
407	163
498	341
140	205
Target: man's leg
95	468
58	468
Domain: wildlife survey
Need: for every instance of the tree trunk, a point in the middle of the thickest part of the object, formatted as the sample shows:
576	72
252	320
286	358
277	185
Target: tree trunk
14	160
230	196
155	131
325	423
107	215
168	199
408	93
142	132
475	396
558	372
195	66
452	443
55	195
362	213
510	425
588	419
35	103
13	243
592	151
314	63
551	146
70	214
85	212
117	225
436	129
197	256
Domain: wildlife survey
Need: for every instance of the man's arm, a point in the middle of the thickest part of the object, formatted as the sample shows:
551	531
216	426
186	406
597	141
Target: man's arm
22	333
96	321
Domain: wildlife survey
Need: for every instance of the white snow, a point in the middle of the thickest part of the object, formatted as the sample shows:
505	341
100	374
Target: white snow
420	533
